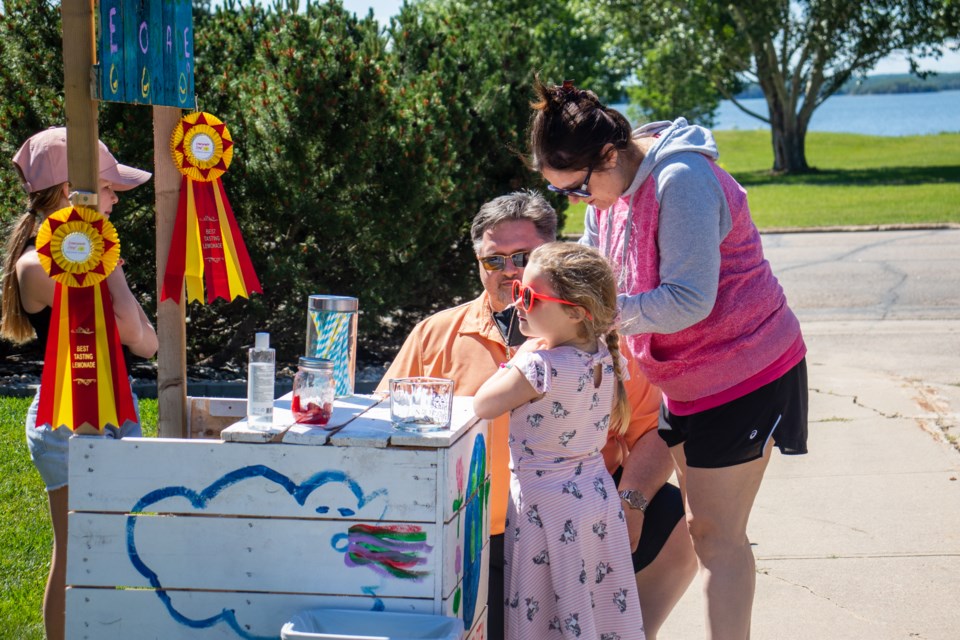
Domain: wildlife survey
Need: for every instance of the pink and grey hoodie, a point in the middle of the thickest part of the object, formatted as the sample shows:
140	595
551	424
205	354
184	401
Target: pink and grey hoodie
703	312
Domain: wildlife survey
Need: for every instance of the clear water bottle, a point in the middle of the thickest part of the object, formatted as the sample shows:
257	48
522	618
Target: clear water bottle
314	388
261	380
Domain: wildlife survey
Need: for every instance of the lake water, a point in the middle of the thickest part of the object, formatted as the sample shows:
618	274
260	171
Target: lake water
892	114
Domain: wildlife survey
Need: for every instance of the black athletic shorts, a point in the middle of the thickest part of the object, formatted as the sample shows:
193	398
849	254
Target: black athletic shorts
659	520
495	589
738	431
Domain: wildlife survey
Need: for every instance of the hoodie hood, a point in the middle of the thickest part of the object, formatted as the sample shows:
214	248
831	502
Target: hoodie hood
674	137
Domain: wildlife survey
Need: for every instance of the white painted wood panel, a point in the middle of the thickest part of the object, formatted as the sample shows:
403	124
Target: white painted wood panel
248	554
246	479
103	614
372	429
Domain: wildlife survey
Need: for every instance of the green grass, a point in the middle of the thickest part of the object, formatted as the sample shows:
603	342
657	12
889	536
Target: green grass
25	532
860	180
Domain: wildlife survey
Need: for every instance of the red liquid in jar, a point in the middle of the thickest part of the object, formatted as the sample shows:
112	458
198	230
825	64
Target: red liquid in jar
311	413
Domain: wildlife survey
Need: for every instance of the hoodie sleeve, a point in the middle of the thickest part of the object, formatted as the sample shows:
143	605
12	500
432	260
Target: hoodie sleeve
693	220
591	228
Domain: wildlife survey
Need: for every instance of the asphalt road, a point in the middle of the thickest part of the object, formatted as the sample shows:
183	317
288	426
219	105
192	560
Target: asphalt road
882	300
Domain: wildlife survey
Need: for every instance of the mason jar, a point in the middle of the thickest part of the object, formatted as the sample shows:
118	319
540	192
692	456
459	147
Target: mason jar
314	389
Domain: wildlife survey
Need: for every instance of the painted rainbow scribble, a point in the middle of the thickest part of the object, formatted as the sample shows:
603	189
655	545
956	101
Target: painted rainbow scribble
391	550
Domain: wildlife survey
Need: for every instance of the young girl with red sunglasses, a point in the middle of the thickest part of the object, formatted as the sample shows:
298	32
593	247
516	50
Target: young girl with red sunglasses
568	563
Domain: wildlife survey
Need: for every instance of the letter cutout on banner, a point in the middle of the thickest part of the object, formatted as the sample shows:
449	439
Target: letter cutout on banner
206	247
84	383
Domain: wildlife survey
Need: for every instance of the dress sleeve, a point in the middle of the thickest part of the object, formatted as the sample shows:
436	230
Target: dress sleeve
535	368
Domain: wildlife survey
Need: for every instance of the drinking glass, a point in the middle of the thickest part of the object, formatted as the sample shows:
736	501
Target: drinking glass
421	404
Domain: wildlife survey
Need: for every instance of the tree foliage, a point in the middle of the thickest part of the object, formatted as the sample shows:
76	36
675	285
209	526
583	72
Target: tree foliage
362	153
800	52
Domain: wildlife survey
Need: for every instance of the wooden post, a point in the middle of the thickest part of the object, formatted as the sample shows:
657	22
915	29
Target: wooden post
83	157
171	326
81	109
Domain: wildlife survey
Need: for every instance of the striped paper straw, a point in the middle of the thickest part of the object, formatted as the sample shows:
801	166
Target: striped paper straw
332	344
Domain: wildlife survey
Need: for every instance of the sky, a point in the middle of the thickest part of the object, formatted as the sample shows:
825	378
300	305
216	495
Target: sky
950	62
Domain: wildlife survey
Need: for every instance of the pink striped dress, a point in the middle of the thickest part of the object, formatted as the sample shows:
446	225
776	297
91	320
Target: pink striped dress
568	568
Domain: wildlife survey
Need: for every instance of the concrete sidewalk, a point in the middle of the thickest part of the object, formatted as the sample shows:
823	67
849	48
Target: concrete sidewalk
860	539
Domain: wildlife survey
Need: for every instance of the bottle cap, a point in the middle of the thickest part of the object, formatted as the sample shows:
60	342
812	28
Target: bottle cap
262	341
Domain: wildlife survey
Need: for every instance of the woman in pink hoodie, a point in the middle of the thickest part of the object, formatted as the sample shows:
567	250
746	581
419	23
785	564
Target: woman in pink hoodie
704	315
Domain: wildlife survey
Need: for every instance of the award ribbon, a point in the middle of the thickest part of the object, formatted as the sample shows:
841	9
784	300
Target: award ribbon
206	246
84	384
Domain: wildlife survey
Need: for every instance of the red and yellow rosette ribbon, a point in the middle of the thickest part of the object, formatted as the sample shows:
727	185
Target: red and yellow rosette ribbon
84	385
207	246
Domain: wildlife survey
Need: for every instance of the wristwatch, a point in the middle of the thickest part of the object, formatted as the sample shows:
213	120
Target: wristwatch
634	499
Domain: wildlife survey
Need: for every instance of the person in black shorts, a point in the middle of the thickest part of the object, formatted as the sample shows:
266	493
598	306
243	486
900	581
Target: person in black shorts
700	309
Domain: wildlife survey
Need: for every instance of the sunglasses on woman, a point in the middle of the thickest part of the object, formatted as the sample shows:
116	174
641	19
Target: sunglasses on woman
524	296
497	262
582	192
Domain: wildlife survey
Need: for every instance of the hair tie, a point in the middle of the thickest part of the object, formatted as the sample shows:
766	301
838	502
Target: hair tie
568	92
615	324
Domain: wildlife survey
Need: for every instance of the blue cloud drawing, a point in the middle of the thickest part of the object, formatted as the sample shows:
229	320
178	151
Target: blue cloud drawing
200	500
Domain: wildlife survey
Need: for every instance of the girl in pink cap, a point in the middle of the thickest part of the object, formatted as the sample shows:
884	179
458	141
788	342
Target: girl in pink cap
28	291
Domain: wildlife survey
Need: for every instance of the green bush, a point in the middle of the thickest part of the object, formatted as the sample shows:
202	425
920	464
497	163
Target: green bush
362	154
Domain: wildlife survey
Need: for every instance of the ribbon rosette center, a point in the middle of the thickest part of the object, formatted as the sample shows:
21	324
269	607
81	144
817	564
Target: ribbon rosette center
78	247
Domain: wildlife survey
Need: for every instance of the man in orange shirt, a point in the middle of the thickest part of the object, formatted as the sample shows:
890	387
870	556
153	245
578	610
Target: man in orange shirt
467	344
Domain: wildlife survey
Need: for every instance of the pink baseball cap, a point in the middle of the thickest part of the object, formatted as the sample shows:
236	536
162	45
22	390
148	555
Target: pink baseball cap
42	161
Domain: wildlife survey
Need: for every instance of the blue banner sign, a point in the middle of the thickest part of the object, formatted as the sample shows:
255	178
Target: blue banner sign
145	52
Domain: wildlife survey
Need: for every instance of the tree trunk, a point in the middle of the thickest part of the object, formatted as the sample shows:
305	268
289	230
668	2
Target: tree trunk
789	135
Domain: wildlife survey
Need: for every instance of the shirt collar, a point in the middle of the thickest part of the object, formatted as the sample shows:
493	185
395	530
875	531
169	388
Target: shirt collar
479	320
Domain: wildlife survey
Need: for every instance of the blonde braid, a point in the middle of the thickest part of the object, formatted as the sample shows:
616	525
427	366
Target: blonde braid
621	412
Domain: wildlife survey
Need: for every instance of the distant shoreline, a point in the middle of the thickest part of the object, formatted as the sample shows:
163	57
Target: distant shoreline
888	83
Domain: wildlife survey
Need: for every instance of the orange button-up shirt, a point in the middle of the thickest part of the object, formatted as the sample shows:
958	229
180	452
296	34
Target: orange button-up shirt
465	345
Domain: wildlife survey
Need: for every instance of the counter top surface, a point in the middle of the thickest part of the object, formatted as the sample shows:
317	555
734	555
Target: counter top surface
357	421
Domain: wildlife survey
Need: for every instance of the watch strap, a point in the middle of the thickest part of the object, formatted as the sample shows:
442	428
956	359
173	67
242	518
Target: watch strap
635	500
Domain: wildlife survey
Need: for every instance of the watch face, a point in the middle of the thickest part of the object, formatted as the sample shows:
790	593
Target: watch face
635	499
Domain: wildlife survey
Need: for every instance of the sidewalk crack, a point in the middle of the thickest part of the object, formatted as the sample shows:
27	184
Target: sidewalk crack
855	399
854	614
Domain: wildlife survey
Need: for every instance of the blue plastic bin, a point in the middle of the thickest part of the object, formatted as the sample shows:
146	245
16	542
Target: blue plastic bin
348	624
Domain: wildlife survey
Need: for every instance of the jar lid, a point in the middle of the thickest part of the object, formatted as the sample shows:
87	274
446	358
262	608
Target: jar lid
332	303
316	363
